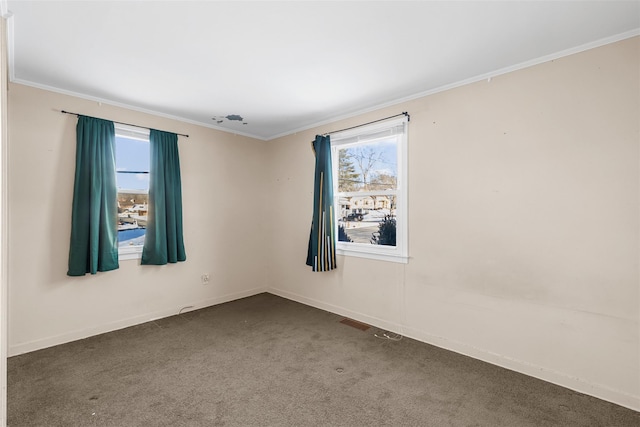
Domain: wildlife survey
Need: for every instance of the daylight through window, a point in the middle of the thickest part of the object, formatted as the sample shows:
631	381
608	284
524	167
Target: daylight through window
132	175
370	192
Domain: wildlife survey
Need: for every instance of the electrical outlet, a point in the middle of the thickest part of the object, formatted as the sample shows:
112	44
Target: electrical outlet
205	278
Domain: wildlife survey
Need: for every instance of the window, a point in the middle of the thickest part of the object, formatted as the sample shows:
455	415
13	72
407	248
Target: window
132	177
370	190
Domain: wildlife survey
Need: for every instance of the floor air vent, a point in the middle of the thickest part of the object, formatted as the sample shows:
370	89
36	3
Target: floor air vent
355	324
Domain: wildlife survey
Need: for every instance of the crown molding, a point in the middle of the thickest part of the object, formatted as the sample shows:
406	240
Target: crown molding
487	76
587	46
131	107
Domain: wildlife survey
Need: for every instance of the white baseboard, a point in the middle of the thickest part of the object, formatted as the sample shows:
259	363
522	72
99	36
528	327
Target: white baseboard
577	384
39	344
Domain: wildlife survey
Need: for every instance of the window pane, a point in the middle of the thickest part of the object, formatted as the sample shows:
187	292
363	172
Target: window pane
132	217
368	219
132	155
368	167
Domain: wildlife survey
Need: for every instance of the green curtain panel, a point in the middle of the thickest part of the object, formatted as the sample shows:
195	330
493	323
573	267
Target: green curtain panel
163	240
321	255
94	235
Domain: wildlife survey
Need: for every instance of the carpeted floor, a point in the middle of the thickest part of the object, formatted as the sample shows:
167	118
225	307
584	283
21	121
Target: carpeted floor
268	361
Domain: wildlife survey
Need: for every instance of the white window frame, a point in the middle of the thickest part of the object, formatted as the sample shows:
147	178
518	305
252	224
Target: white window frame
357	136
141	134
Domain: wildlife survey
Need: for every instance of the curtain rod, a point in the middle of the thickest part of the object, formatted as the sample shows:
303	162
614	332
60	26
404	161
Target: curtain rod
404	113
120	123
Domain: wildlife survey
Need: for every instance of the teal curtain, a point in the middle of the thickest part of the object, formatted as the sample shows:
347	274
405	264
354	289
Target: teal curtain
321	254
94	236
163	240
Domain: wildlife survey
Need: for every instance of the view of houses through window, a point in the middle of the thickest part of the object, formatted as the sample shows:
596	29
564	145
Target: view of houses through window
132	174
367	192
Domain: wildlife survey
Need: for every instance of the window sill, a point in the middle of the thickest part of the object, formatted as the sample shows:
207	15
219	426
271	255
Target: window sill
377	256
129	252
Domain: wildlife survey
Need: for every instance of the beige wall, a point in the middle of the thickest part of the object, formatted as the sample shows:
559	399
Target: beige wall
523	210
221	191
523	219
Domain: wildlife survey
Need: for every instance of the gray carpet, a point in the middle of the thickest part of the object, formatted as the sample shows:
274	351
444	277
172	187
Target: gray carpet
268	361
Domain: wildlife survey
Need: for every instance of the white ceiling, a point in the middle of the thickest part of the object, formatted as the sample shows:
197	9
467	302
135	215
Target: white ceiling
287	66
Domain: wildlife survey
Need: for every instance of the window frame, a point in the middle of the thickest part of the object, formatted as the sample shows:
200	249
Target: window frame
362	135
140	134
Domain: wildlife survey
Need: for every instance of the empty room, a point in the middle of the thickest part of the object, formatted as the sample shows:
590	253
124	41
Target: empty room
339	213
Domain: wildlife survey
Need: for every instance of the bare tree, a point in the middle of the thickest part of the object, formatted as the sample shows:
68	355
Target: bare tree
383	181
366	158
